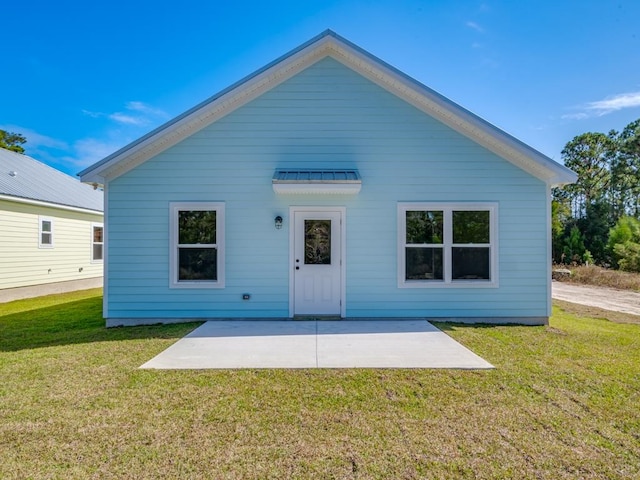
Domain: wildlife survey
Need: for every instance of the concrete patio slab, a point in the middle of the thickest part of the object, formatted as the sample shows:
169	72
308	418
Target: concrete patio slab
231	344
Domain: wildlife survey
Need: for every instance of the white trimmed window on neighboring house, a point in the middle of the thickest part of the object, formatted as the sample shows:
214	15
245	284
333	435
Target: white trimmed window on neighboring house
97	242
447	245
45	232
197	245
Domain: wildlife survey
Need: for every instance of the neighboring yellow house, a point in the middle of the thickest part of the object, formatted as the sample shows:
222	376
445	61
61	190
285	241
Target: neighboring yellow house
51	230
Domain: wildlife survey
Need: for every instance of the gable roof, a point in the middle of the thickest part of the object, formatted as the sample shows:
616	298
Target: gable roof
24	179
329	44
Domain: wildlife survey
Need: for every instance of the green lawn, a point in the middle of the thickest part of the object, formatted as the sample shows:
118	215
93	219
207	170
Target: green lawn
563	402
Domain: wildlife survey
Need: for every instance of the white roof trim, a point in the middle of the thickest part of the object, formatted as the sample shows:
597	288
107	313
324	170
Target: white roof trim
330	44
41	203
317	188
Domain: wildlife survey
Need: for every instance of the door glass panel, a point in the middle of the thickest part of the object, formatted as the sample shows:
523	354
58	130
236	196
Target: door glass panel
317	242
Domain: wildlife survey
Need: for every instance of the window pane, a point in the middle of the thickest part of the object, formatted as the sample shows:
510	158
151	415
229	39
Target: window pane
197	227
471	227
97	251
424	227
197	264
97	234
470	263
46	239
46	226
317	242
423	264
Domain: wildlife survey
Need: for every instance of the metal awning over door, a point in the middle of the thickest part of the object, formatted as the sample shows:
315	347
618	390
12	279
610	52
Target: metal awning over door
346	182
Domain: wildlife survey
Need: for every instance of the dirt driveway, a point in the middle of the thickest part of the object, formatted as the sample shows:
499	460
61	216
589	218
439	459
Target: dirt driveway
605	298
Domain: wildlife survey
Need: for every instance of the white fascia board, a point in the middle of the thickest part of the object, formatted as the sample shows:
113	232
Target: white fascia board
317	188
40	203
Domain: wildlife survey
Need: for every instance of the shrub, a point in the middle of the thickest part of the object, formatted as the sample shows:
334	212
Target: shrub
624	244
629	256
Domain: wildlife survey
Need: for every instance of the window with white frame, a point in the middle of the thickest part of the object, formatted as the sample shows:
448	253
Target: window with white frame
45	232
197	245
97	242
450	244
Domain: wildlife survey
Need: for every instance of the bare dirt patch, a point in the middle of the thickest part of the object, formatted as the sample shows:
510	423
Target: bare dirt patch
597	292
624	301
604	277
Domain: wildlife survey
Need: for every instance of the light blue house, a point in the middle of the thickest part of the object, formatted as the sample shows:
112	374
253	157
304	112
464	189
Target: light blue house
328	183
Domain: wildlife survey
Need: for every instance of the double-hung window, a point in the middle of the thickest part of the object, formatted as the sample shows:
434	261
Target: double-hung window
447	245
197	245
97	242
45	232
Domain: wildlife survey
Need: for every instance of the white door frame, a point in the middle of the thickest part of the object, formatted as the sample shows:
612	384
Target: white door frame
343	251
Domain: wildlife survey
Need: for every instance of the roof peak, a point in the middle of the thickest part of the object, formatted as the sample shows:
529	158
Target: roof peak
329	43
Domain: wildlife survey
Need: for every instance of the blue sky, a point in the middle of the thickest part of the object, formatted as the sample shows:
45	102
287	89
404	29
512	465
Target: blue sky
82	79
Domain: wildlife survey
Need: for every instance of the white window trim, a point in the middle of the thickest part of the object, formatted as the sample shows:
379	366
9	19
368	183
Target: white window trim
447	209
40	232
92	243
174	208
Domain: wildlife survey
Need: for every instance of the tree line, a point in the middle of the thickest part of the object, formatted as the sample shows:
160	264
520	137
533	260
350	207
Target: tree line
597	219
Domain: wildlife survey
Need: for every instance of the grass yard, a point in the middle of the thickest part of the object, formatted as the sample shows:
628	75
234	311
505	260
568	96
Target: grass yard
563	402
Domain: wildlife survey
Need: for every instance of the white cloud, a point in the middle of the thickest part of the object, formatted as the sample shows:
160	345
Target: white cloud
615	103
475	26
125	119
87	151
608	105
575	116
146	109
35	139
122	128
136	113
92	114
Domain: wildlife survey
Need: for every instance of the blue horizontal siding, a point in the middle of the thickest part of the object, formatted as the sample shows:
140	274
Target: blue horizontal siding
325	117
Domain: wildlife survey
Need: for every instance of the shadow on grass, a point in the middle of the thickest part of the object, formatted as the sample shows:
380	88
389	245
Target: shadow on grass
74	322
450	326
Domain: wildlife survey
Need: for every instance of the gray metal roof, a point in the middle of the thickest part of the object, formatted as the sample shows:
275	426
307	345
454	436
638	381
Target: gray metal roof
25	178
316	176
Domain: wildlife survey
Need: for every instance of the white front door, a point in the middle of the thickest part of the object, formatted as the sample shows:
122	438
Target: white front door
317	262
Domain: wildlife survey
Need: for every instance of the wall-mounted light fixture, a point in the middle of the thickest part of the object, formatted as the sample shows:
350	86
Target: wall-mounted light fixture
278	221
